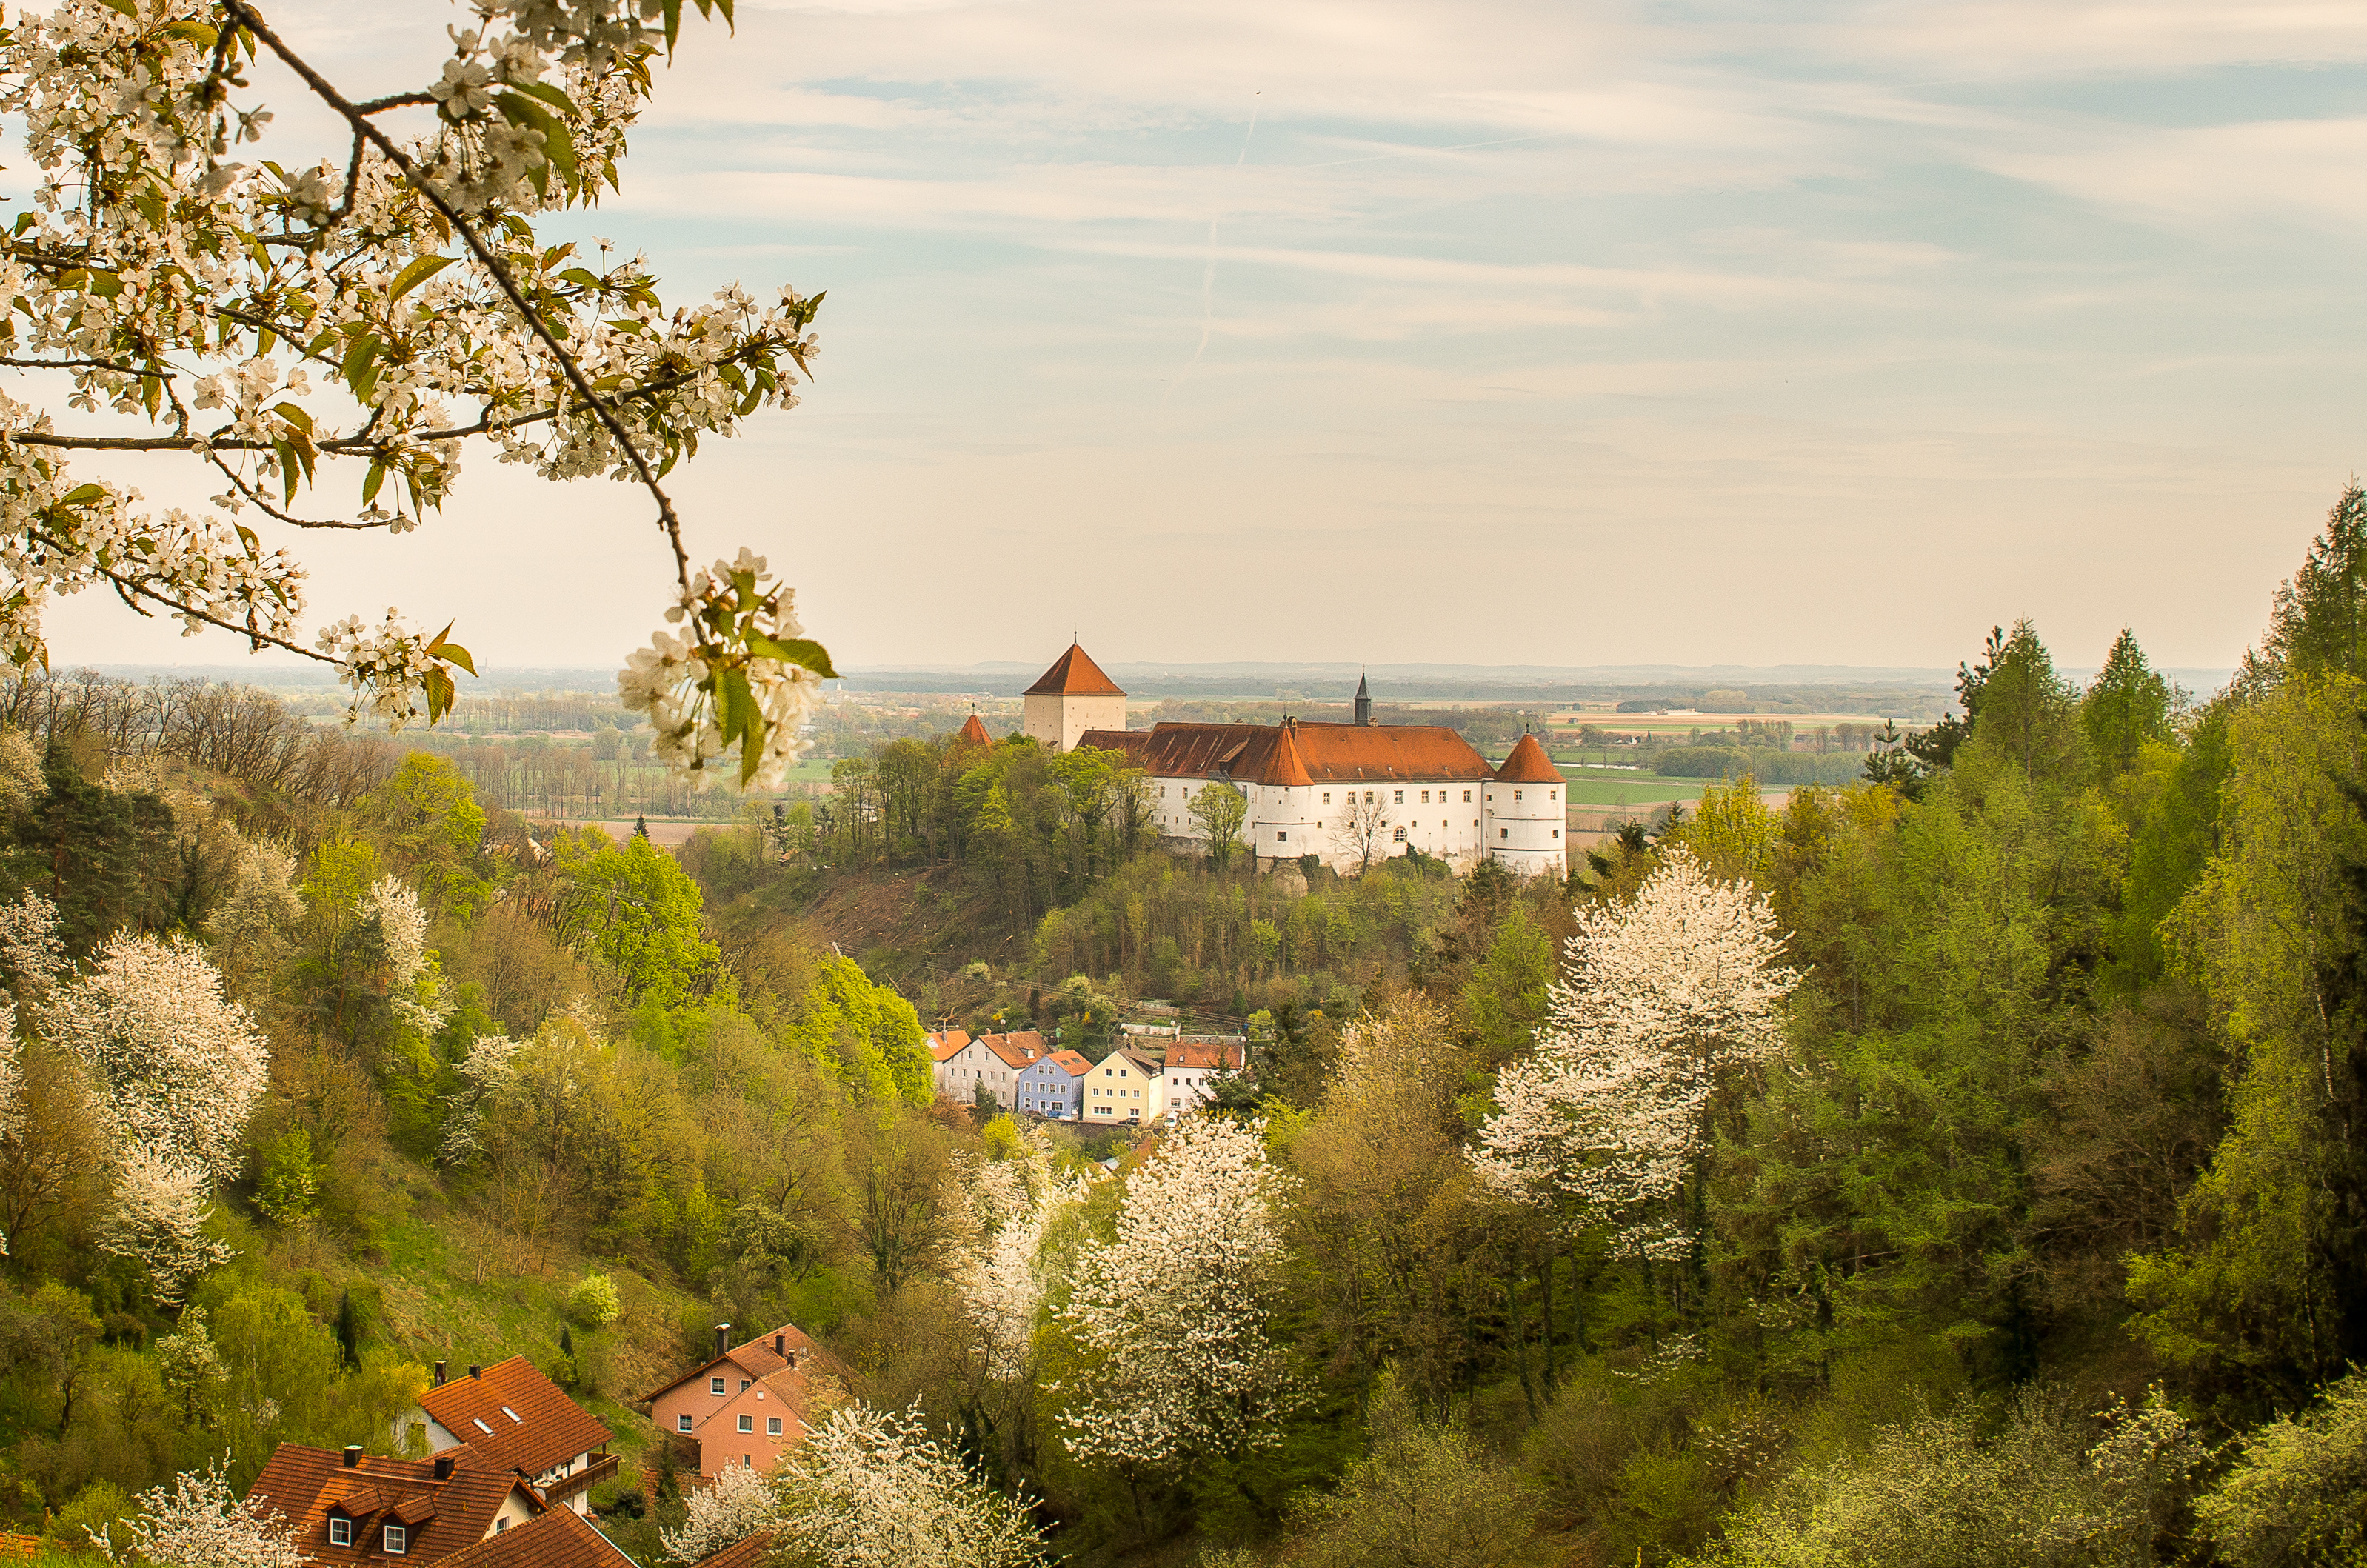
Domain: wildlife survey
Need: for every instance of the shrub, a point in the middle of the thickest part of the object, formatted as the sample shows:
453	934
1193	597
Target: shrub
593	1301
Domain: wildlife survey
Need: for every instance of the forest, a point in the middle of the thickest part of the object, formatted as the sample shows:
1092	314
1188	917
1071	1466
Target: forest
1962	1166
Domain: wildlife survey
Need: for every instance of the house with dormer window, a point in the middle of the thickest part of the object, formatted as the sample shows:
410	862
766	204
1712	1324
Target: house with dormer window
510	1417
357	1508
992	1061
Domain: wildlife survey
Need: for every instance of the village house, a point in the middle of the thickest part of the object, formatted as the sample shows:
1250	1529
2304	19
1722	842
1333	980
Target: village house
748	1404
1343	793
352	1507
1190	1067
510	1417
1124	1087
1054	1087
992	1061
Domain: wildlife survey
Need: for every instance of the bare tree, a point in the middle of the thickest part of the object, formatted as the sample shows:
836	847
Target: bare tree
1220	809
1363	829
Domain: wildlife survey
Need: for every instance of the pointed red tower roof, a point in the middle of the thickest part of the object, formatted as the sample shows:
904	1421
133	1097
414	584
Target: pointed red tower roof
975	732
1528	765
1284	765
1074	673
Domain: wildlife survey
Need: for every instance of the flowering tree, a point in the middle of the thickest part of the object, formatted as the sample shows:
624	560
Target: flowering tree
376	309
391	912
31	952
872	1489
1171	1314
176	1068
250	925
1658	996
737	1504
195	1520
1001	1273
491	1063
159	1221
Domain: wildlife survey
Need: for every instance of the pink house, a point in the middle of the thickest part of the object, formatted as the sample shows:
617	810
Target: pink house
749	1404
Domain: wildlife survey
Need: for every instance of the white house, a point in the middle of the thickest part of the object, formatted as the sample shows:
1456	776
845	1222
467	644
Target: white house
1183	1082
992	1061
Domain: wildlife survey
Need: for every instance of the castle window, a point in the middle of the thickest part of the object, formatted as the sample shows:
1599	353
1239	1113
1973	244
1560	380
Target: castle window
1425	797
1466	796
1281	837
1556	832
1503	833
1401	835
1516	794
1400	797
1368	797
1553	794
1327	796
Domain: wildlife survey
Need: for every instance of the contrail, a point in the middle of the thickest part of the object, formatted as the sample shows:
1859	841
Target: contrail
1208	274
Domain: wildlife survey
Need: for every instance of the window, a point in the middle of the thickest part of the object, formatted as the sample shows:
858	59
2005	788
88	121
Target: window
1556	832
682	1422
1425	797
747	1424
1400	797
1327	796
715	1385
480	1427
500	1525
1466	796
1401	835
1516	794
512	1413
341	1533
747	1461
1553	794
1503	833
772	1426
1281	836
1368	797
398	1541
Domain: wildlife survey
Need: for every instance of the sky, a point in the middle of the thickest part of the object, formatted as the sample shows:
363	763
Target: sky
1476	332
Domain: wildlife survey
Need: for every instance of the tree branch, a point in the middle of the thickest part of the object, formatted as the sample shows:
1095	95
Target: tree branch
668	520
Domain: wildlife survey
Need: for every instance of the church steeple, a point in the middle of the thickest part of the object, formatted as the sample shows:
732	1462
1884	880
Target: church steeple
1364	700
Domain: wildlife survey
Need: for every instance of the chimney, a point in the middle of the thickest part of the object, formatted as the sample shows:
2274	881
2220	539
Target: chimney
722	1337
353	1454
439	1374
475	1370
443	1467
781	1346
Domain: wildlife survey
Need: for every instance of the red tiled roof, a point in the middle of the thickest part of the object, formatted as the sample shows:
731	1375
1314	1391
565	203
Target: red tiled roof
740	1554
1077	1066
756	1359
975	732
511	1418
1127	743
1074	673
1324	753
302	1485
1284	766
948	1043
1180	1055
559	1538
1528	764
1017	1049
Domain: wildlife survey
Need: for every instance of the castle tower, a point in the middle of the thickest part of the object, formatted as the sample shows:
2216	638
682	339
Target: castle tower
973	733
1072	697
1527	816
1364	700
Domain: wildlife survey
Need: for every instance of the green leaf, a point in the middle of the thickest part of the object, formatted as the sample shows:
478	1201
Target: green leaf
557	145
550	95
289	469
197	32
360	368
801	651
81	495
418	272
452	652
126	7
440	692
371	484
673	22
294	415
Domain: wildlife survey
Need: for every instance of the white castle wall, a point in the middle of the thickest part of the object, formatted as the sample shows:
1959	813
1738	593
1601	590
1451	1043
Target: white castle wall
1527	825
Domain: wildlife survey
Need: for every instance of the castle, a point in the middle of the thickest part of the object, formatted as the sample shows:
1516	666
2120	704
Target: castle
1341	792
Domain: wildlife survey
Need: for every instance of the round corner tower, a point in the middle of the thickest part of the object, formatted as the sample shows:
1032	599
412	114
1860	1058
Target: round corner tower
1527	814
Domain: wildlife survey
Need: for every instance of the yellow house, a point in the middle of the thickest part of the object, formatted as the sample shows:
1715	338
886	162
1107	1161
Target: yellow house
1124	1087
